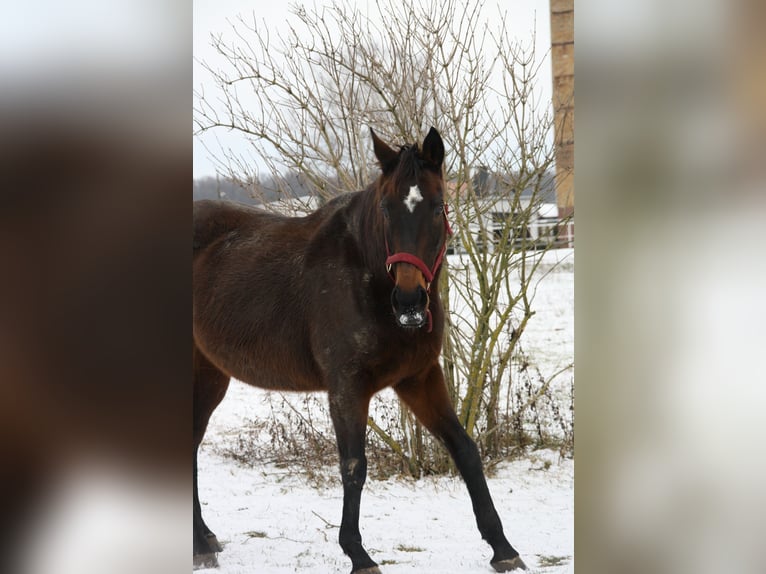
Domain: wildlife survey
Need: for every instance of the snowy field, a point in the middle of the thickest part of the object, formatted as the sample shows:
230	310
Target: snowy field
272	520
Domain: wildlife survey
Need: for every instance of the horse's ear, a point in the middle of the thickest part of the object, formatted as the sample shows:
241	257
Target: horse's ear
386	156
433	148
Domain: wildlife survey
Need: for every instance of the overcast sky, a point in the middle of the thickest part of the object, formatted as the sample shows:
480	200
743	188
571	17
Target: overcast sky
526	16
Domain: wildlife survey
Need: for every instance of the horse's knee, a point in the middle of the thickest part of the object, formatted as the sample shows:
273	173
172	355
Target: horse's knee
354	471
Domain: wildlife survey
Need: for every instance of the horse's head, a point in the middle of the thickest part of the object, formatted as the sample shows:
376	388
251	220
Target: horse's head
411	194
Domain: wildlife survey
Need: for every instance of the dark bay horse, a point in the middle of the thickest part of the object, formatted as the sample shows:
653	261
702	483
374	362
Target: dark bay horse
344	300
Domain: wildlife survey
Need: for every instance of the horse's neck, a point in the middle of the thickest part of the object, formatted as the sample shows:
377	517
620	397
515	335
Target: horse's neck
369	231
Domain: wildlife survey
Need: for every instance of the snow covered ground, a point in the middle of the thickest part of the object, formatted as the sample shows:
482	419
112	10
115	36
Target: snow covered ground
271	520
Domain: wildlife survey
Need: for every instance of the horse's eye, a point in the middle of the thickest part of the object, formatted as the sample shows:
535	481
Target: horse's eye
384	209
438	210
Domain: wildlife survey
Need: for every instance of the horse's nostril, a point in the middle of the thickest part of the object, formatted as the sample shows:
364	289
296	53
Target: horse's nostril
423	296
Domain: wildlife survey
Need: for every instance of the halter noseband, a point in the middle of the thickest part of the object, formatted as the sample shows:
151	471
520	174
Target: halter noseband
428	272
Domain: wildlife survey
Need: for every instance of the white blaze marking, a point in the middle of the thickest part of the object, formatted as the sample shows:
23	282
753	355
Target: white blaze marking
414	197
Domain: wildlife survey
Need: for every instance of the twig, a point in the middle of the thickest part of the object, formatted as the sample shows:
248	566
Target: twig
327	524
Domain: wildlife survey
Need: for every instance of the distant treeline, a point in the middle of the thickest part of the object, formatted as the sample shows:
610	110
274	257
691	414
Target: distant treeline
254	192
295	185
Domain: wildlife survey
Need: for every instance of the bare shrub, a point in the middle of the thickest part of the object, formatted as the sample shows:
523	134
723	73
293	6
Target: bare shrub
305	98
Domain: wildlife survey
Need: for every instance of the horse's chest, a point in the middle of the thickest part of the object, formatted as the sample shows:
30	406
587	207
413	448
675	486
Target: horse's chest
394	361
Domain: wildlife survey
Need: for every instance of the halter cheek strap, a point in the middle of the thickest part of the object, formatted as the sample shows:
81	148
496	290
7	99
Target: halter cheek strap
428	273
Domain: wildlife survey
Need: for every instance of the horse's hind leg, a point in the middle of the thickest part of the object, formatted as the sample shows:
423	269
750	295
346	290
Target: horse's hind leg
429	401
210	386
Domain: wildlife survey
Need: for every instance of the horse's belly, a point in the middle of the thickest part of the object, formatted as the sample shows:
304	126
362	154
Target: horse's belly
267	379
261	363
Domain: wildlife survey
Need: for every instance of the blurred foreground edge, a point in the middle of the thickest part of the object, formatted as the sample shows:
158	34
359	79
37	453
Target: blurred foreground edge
93	297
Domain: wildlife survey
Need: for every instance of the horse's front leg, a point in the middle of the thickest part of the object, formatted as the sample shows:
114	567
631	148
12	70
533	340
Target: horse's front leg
349	417
429	401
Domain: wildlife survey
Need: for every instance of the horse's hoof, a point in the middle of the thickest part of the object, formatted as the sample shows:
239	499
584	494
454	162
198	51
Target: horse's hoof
208	560
510	564
213	542
370	570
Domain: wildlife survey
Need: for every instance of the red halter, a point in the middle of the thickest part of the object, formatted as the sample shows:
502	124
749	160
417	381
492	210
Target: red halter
428	273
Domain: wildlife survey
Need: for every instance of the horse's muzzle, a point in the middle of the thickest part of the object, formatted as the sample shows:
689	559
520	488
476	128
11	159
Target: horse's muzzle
415	319
410	307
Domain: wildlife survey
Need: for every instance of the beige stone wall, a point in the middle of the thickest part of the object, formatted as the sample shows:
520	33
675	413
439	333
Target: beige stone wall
562	64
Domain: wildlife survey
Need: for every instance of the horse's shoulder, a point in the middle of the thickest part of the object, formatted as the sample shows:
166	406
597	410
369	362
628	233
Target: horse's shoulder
334	220
333	231
336	207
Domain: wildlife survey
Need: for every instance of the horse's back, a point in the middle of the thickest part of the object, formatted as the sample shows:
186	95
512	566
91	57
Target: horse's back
214	218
